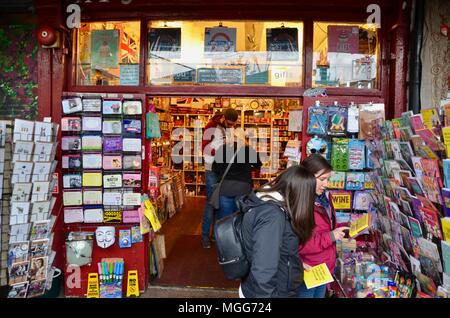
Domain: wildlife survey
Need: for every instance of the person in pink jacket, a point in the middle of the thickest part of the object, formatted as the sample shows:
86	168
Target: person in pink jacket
321	247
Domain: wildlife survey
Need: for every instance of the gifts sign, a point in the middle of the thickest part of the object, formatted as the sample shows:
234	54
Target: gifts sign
343	39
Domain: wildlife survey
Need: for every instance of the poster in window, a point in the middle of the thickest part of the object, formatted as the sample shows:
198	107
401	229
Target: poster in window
220	39
282	43
165	42
343	39
105	49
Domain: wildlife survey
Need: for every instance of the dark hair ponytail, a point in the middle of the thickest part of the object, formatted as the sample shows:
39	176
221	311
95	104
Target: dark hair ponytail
297	185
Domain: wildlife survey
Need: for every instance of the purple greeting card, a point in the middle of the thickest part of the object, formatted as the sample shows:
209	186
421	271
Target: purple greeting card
112	144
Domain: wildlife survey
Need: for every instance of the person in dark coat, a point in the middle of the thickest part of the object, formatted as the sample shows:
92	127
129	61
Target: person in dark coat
277	218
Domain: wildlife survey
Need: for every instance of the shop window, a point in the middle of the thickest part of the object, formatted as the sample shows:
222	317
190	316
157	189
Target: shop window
225	53
108	53
345	55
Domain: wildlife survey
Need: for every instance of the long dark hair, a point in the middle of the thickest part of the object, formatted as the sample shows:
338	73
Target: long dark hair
297	185
316	163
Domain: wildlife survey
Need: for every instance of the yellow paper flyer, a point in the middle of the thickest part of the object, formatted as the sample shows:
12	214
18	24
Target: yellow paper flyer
317	276
359	225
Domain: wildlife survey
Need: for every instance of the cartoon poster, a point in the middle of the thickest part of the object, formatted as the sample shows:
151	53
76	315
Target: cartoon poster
282	43
343	39
105	49
165	42
220	39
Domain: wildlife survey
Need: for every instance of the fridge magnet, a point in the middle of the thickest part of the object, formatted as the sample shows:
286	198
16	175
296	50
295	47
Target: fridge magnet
112	107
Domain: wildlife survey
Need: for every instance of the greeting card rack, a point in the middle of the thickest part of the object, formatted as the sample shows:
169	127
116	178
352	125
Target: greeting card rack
104	176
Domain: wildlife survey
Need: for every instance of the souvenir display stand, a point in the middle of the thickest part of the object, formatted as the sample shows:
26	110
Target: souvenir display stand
103	179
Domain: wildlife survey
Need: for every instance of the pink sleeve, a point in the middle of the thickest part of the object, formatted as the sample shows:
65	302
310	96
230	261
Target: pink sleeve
320	239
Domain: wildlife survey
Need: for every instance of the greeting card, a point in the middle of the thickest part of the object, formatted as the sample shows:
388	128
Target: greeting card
92	123
44	151
112	107
112	162
71	124
113	126
93	105
92	161
91	143
19	213
22	172
22	151
21	192
72	105
23	130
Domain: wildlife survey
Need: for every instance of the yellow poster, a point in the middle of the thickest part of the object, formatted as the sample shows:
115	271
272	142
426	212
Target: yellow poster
317	276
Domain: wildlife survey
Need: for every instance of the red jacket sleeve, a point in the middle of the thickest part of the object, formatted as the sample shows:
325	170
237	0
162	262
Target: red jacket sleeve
321	237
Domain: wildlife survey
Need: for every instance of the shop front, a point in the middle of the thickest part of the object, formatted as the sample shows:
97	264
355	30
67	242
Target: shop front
132	65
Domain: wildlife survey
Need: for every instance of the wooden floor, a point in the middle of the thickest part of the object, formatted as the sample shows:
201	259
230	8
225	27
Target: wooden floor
188	221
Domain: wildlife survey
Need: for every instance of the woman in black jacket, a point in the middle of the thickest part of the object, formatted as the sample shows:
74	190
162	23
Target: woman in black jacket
238	181
277	218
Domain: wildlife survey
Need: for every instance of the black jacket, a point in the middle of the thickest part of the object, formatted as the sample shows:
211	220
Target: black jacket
271	246
241	168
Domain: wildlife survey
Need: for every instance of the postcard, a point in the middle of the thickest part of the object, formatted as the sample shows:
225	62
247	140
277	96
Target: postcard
23	130
73	215
92	179
92	123
72	105
112	198
44	132
93	215
71	161
112	126
18	252
71	124
92	161
40	211
112	162
19	232
72	198
39	248
131	180
132	126
18	290
22	172
42	171
23	151
91	143
36	288
93	105
18	273
132	144
130	216
112	107
131	198
132	162
112	181
44	151
71	143
21	192
112	216
40	230
92	197
112	144
19	212
71	181
132	107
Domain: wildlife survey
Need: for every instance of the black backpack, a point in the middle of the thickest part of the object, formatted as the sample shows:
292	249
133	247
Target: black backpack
230	246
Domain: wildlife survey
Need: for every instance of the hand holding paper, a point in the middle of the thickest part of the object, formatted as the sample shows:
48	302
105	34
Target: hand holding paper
317	276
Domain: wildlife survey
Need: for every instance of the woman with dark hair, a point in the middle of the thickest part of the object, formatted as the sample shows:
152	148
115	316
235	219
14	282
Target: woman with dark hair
321	247
277	218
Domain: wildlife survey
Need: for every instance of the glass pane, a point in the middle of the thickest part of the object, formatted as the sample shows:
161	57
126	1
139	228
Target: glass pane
108	53
225	53
345	55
